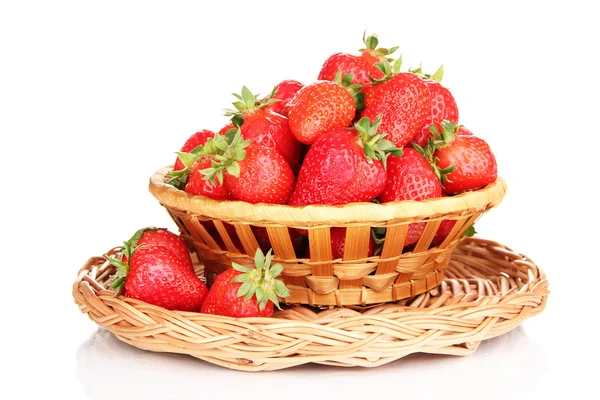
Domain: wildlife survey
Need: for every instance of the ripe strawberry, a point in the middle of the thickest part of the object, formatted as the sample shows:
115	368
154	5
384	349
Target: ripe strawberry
464	161
197	185
263	127
410	177
246	292
197	139
403	100
157	237
155	275
445	228
338	244
443	107
361	67
284	92
264	177
344	166
322	107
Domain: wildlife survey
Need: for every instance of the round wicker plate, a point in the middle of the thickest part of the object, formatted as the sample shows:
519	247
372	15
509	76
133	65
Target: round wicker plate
488	291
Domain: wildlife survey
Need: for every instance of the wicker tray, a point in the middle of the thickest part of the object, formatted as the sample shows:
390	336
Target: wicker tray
488	291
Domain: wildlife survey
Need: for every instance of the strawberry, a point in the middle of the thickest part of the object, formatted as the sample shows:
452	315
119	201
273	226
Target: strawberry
338	244
155	275
402	99
284	92
361	67
157	237
444	230
410	177
443	106
264	177
197	185
321	107
344	166
262	126
246	292
197	139
463	161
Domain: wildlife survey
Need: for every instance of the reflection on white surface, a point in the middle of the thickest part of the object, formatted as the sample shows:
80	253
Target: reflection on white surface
107	367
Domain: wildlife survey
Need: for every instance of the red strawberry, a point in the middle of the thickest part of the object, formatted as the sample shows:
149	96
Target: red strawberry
264	127
410	177
284	92
321	107
466	162
158	237
264	177
361	67
443	107
402	99
444	230
338	244
251	173
157	276
344	166
246	292
197	139
197	185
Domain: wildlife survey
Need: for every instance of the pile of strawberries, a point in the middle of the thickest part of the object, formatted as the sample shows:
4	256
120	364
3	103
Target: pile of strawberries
363	132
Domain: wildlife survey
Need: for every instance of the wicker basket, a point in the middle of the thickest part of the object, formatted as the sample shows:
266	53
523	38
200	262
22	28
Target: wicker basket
489	290
356	279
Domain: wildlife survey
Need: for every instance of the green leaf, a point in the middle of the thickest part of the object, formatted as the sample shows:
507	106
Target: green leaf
276	270
118	283
244	290
187	159
470	231
439	74
268	257
280	289
234	169
392	49
240	268
273	298
369	153
259	259
247	97
261	295
347	80
397	65
123	268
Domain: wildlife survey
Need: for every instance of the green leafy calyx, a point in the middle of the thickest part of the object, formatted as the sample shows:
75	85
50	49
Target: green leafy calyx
247	103
374	144
260	281
355	89
371	42
438	141
390	68
436	76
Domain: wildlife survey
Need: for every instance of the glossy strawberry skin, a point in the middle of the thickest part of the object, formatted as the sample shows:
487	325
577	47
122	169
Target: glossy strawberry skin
443	231
319	108
265	177
336	171
198	186
410	178
165	238
197	139
361	68
443	107
286	90
475	164
269	129
222	299
404	103
158	277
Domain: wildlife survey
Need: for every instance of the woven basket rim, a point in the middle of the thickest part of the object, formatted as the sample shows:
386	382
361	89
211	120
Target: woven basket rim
366	212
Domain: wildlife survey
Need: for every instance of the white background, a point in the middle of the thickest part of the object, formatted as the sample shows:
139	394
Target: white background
94	97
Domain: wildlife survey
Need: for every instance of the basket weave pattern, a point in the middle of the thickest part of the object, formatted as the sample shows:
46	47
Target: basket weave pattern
355	279
488	291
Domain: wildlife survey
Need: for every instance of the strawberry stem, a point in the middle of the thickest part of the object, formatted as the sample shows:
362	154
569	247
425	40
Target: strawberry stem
371	42
438	141
374	144
260	281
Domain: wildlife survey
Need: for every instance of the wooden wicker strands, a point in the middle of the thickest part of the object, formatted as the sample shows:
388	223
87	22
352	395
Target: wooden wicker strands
355	279
488	291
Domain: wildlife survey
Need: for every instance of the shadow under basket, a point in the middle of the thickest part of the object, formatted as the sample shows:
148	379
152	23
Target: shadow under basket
412	261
